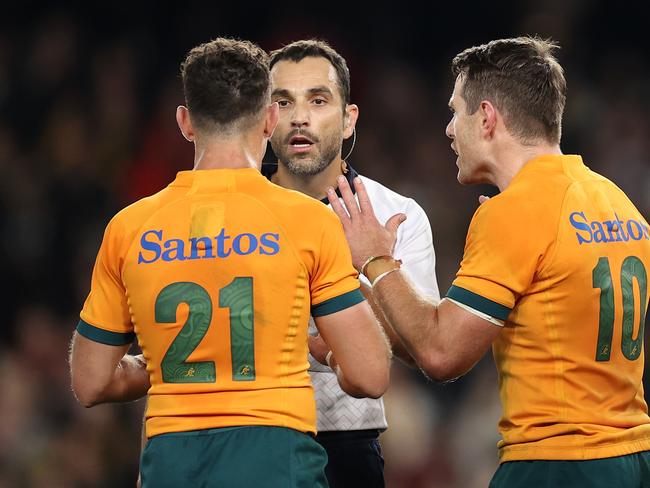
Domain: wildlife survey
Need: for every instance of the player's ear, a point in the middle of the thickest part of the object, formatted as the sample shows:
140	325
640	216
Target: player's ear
272	117
488	114
350	119
185	122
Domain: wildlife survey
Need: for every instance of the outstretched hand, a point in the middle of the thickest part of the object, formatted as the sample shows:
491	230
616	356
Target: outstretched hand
365	234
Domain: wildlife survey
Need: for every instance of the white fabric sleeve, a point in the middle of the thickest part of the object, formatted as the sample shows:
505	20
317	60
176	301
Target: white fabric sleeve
415	248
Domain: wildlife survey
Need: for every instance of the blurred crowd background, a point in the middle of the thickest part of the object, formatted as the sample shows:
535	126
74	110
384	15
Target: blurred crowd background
87	101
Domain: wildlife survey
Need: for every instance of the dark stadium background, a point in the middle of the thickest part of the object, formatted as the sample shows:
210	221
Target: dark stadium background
87	100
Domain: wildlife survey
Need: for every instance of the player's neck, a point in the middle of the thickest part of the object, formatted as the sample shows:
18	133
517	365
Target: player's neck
232	153
313	185
511	161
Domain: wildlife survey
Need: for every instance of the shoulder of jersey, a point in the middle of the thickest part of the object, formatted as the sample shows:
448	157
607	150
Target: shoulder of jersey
143	208
532	198
543	188
292	199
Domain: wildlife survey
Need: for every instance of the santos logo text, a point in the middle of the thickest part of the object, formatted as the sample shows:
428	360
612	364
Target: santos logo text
154	247
615	230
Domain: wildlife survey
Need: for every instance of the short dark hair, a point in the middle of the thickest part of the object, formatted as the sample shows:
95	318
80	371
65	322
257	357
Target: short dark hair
226	83
299	50
522	78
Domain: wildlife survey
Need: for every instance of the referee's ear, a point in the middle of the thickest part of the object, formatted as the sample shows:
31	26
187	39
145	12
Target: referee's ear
350	119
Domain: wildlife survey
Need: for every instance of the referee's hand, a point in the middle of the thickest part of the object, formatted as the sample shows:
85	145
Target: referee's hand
365	234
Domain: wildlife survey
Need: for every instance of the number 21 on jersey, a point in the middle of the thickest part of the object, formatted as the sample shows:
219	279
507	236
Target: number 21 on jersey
238	297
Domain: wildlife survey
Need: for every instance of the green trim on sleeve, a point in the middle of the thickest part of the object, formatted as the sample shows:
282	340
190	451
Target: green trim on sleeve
338	303
477	302
104	336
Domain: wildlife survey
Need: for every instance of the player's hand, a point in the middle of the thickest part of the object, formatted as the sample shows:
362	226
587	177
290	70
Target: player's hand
365	234
482	199
317	348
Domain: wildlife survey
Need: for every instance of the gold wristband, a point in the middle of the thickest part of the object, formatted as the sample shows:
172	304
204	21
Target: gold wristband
385	273
371	259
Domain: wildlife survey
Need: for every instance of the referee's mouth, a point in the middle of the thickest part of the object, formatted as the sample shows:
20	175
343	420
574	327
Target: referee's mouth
300	144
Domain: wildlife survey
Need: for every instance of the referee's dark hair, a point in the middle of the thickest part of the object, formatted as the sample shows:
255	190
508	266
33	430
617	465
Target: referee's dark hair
299	50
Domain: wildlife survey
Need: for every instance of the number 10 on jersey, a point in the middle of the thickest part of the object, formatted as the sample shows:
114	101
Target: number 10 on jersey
631	269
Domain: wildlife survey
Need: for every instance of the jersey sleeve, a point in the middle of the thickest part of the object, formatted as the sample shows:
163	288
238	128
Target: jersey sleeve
334	282
105	315
415	248
503	249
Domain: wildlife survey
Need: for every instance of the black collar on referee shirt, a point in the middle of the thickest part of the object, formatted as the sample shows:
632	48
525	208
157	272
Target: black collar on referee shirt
269	169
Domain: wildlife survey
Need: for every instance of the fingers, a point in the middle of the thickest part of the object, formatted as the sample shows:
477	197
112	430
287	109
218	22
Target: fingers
342	214
482	199
364	201
348	197
312	343
352	209
318	348
394	222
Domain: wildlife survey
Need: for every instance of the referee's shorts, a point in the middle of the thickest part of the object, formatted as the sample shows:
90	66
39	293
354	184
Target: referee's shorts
354	458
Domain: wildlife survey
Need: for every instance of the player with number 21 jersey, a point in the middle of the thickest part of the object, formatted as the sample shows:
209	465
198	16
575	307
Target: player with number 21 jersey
184	270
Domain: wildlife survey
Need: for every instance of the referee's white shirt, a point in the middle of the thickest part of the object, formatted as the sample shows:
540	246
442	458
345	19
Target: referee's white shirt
337	410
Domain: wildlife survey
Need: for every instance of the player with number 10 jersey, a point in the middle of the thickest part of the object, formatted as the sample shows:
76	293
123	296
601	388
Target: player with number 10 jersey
562	256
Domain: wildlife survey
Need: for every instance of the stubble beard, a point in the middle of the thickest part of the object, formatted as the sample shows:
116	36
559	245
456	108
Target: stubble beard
305	165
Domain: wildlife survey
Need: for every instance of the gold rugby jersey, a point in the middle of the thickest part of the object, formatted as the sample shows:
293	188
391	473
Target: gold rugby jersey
217	275
562	256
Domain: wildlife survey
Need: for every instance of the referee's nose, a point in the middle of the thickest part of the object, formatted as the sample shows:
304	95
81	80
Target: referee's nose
300	116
